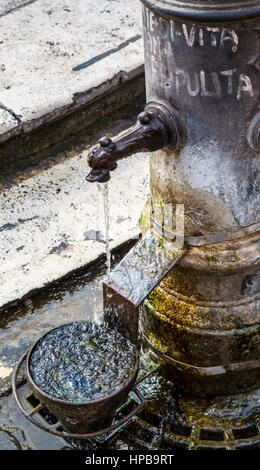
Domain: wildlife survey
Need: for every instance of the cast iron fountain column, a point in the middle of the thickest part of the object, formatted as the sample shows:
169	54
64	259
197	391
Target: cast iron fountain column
204	316
202	63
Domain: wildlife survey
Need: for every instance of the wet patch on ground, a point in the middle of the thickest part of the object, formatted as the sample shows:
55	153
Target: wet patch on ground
170	420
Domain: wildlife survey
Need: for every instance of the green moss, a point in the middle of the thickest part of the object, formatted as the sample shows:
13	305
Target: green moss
146	217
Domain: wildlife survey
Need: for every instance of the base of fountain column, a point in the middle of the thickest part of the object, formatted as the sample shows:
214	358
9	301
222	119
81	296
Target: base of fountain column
181	420
203	319
205	381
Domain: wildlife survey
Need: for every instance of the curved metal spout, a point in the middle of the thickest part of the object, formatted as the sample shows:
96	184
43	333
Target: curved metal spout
158	126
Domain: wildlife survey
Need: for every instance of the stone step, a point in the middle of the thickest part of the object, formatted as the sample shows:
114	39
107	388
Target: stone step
64	64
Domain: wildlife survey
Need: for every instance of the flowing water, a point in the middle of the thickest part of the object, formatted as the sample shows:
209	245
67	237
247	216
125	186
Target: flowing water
103	188
82	361
89	363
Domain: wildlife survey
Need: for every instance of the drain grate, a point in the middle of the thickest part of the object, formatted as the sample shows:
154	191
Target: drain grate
146	432
171	421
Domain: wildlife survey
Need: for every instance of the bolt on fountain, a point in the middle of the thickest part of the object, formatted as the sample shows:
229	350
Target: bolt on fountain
195	292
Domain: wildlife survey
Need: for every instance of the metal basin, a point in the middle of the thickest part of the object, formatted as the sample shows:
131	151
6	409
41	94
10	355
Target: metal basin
85	416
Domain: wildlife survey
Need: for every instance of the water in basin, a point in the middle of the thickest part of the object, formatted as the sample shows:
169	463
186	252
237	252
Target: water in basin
82	361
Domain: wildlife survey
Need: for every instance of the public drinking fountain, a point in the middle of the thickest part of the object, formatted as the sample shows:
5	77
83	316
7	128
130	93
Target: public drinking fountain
190	286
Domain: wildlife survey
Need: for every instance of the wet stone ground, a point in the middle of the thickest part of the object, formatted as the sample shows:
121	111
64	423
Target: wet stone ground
73	300
169	421
78	299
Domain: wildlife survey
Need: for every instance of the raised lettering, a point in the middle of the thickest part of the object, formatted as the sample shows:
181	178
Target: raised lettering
201	37
229	35
195	91
244	86
229	75
213	37
190	38
181	79
204	90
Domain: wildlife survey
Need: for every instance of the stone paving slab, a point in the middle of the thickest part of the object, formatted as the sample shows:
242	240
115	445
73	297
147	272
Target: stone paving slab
58	55
53	223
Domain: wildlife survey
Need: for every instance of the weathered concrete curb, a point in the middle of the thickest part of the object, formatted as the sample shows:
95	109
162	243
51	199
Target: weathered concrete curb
53	223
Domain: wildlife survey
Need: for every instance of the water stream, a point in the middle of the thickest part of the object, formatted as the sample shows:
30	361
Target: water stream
104	191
